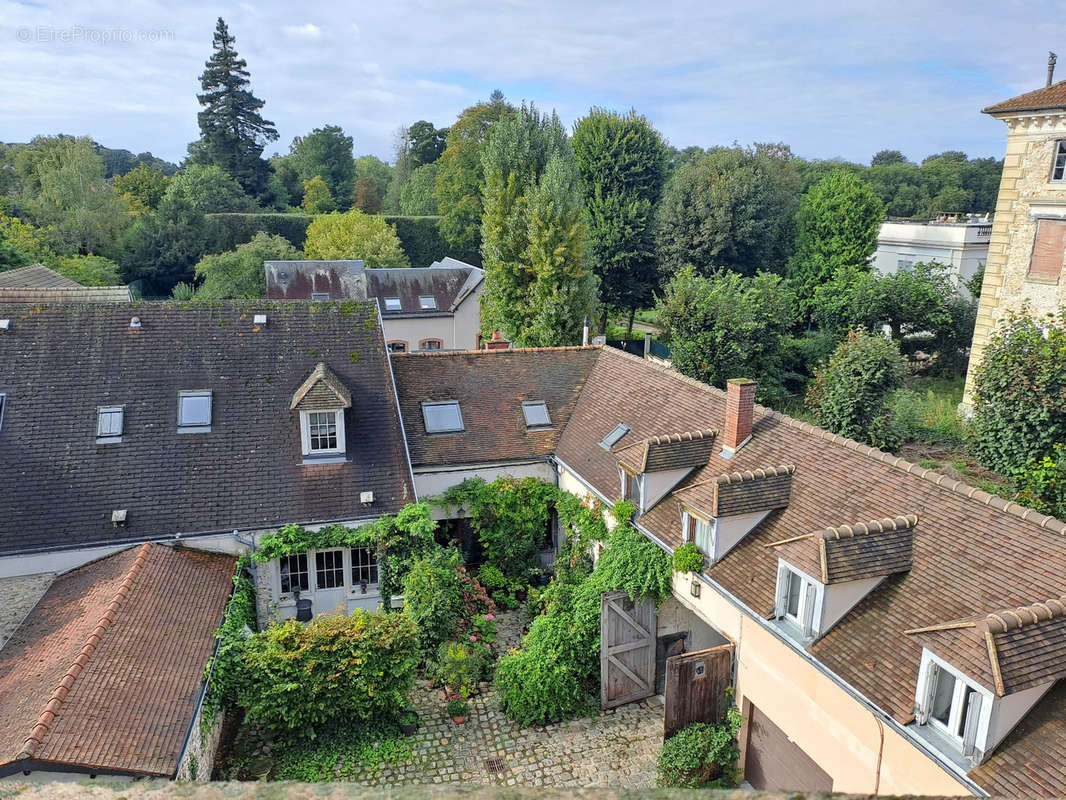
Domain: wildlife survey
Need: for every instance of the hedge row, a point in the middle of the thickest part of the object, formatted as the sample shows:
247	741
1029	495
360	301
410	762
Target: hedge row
418	236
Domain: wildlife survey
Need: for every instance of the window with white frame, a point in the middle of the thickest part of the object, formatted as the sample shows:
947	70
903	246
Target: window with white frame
322	432
536	414
1058	166
109	424
427	303
319	297
364	567
393	304
294	576
797	599
194	411
950	704
329	569
442	417
632	488
397	347
703	535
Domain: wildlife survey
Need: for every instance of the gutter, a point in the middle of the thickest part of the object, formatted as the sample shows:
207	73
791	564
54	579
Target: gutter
525	462
399	414
878	713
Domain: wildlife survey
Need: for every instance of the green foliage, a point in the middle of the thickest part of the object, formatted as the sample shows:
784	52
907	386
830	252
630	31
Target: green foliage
457	707
226	671
355	235
89	270
416	196
162	248
183	292
351	668
459	667
317	197
325	153
421	240
365	196
143	186
1043	485
22	244
688	558
341	752
207	190
701	754
848	396
239	273
1020	394
226	231
725	326
928	413
426	143
374	170
836	228
433	597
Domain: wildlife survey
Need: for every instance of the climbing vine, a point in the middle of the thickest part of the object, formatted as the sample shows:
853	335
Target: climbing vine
225	671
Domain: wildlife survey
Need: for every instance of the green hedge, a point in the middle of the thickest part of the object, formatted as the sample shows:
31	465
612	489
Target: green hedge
418	236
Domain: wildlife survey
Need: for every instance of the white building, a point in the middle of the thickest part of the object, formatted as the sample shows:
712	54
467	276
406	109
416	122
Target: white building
955	240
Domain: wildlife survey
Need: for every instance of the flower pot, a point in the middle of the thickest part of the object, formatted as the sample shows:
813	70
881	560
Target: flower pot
459	720
409	723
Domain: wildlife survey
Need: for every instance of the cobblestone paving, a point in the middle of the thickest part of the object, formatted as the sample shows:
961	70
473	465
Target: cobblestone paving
616	748
20	595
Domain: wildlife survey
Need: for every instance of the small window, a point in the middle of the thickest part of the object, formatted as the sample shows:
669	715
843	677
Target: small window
109	424
1049	250
952	705
430	344
797	599
427	303
442	417
1058	166
364	567
194	412
294	573
393	304
319	297
3	403
536	414
329	569
905	265
703	535
322	430
397	347
616	434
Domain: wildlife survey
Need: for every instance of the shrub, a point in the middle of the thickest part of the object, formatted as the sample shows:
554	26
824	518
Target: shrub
1020	394
351	668
688	558
239	273
433	597
457	707
848	396
226	672
421	240
459	667
1043	485
354	234
701	754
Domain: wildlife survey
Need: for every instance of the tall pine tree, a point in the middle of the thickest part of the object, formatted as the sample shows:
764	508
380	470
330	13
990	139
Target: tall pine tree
232	131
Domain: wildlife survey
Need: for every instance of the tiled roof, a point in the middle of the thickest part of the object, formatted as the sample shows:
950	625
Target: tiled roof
36	276
327	381
105	672
490	386
39	284
1048	97
851	552
674	451
740	492
59	363
973	553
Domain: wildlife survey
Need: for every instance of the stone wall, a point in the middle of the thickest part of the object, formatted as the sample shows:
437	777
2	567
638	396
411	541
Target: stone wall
199	758
1025	192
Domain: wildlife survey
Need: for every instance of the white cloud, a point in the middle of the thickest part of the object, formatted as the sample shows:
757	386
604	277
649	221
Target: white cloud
306	31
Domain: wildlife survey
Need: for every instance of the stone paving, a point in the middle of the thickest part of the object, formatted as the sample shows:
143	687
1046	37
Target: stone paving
20	596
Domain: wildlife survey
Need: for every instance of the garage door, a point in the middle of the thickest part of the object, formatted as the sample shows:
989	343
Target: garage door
774	762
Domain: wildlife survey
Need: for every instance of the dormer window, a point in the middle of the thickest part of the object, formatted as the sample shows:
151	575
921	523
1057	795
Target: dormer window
194	411
322	432
799	599
321	402
427	303
951	704
633	489
393	304
442	417
536	415
109	424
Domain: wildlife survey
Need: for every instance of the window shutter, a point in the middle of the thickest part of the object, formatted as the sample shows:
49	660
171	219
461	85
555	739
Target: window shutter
808	610
685	534
921	714
973	719
782	591
1049	250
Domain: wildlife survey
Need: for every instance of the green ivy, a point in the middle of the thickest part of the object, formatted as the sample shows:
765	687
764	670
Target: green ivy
702	754
225	671
433	597
342	751
688	558
1043	485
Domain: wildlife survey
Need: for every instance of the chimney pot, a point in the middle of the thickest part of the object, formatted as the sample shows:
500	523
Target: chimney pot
739	414
1051	59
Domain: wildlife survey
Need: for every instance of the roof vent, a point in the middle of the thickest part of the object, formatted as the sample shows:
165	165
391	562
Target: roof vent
135	322
118	518
5	324
366	498
259	319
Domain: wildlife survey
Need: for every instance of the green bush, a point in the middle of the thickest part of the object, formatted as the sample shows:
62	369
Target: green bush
351	668
459	667
1020	394
1043	485
226	671
688	558
701	754
421	240
433	597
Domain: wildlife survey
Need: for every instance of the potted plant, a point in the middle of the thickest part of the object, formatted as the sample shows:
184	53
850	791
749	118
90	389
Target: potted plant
688	558
457	709
408	720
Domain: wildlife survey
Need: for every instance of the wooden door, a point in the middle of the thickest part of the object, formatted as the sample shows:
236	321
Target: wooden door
696	686
773	762
627	649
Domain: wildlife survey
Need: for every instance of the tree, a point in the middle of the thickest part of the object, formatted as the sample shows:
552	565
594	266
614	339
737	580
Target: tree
285	174
208	190
416	197
836	228
622	161
89	270
22	244
366	197
402	169
1020	394
726	210
885	157
317	197
355	235
461	176
232	131
426	143
726	326
848	396
143	186
162	248
326	153
375	170
239	273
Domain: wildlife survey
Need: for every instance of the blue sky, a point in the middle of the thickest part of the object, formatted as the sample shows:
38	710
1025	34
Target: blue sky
829	78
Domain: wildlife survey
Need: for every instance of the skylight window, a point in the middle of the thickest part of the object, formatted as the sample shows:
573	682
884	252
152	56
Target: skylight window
319	297
536	414
616	434
393	304
194	411
427	303
442	417
109	424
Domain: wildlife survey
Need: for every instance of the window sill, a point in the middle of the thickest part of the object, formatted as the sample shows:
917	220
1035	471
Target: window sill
194	429
310	461
1042	281
109	440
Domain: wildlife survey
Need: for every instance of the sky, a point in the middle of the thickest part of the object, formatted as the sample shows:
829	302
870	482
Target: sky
831	79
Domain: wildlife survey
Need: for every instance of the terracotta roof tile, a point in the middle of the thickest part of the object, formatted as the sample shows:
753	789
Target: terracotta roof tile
673	451
852	552
1048	97
753	490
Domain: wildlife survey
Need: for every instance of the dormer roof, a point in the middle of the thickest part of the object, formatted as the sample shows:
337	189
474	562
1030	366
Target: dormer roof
1008	650
674	451
742	492
852	552
321	390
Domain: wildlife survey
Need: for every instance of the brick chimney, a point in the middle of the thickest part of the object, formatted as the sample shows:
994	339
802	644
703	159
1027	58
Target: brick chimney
739	411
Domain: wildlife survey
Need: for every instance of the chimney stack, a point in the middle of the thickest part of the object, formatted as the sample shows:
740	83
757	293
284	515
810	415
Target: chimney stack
585	332
1051	59
739	414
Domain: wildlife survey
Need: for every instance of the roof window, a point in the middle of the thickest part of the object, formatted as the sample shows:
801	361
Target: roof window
536	414
194	411
393	304
442	417
109	424
319	297
616	434
3	404
427	303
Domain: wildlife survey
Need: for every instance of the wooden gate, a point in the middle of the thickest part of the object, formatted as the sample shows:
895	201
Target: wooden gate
627	649
696	686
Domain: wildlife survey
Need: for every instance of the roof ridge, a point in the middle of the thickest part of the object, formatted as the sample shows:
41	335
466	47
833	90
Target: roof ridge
443	353
59	694
939	479
1014	618
883	525
683	436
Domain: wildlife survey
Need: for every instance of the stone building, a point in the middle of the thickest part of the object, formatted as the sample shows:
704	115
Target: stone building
1028	242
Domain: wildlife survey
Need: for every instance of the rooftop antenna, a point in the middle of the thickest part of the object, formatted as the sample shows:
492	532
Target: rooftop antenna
1051	59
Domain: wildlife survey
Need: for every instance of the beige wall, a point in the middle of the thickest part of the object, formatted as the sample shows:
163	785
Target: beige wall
457	331
1025	192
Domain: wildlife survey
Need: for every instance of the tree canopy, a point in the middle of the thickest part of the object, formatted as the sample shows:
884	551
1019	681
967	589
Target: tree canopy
239	273
355	235
326	153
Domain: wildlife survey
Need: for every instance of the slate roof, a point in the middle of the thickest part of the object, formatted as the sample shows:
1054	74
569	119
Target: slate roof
490	386
39	284
447	285
59	363
740	492
105	673
36	276
852	552
675	451
1048	97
